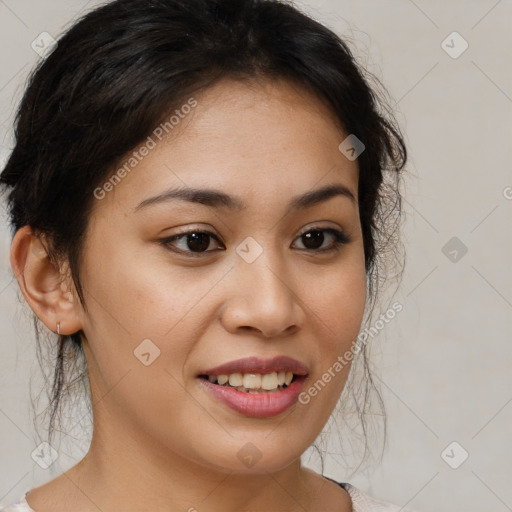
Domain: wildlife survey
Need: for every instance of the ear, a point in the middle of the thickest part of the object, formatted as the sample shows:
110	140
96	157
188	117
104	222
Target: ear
47	289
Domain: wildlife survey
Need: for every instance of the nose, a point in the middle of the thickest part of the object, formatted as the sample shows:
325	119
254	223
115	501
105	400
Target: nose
264	300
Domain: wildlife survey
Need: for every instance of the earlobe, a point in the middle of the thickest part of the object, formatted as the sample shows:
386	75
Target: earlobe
43	284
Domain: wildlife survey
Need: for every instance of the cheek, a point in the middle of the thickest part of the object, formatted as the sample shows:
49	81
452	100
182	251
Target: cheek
141	326
339	303
135	309
337	313
140	297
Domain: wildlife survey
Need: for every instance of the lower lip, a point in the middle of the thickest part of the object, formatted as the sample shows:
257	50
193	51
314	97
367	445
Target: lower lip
257	405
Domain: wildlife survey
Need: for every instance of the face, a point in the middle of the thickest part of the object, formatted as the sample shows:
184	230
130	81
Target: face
261	274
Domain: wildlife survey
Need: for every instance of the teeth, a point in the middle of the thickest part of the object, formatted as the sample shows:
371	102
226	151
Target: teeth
236	379
254	381
221	379
269	381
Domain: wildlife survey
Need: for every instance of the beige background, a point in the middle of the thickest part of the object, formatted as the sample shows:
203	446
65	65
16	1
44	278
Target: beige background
444	362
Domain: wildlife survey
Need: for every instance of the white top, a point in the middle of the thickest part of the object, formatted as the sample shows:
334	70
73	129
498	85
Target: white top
361	502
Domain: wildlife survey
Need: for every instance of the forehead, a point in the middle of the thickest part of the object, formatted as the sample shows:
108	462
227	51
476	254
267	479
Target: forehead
266	140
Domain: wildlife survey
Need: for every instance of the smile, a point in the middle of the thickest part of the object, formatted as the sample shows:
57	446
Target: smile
253	382
255	403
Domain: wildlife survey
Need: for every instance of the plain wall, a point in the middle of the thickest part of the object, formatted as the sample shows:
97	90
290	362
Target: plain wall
444	362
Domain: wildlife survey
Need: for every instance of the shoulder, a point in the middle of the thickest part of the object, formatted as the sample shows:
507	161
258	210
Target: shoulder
362	502
20	506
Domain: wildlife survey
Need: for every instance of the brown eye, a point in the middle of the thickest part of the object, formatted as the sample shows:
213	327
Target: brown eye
198	241
314	239
192	242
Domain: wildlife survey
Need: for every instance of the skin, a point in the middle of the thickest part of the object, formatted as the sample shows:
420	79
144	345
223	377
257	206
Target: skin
160	441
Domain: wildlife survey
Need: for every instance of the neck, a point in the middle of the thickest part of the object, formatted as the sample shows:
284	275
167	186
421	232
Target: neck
124	472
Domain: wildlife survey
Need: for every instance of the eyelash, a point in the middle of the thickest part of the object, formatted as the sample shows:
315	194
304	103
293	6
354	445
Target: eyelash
340	239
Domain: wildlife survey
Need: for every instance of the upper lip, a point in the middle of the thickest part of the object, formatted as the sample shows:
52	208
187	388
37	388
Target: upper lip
259	365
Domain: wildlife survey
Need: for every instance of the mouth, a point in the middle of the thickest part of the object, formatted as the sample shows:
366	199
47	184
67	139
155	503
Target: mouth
256	387
274	382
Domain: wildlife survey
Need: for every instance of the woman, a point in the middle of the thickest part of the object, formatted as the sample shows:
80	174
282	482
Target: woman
197	195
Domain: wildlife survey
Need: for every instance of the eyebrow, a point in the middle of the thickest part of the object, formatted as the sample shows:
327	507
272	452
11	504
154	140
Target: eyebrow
218	199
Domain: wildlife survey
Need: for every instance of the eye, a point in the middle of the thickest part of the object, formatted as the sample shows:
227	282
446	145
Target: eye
194	243
197	241
314	238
